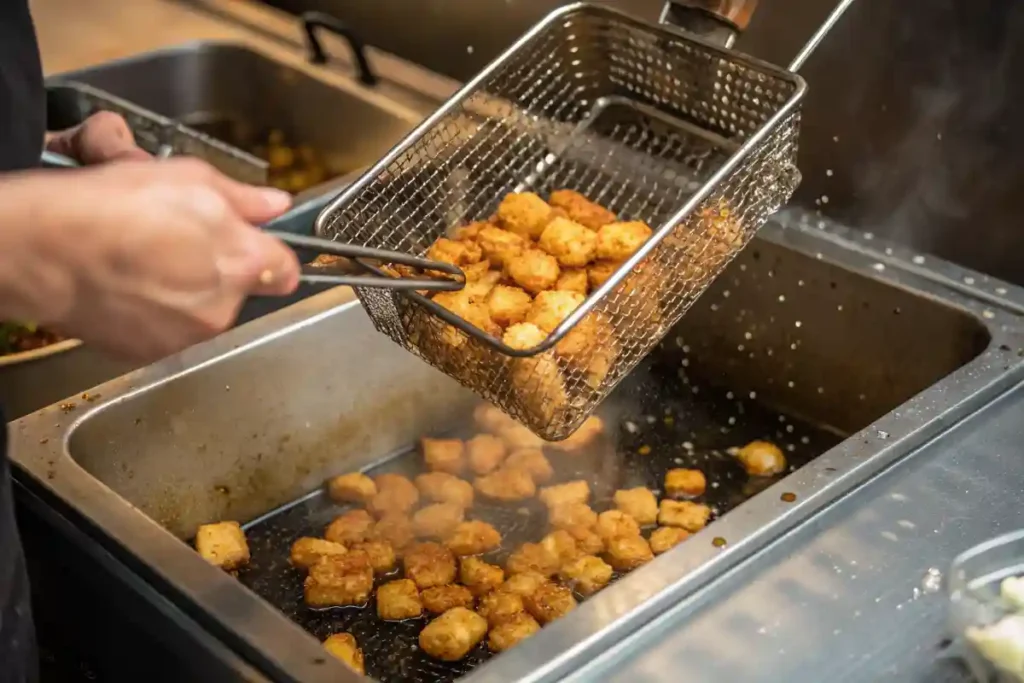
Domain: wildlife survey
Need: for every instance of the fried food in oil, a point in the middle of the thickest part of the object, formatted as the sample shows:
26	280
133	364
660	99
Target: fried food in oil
485	452
441	487
682	513
612	523
508	305
490	418
580	209
577	491
451	636
479	576
380	553
762	459
339	580
664	538
534	270
533	461
587	540
440	599
500	605
306	552
583	438
524	583
355	487
395	529
429	565
517	436
524	213
684	482
639	503
506	484
626	553
586	574
500	246
398	600
572	244
395	494
223	545
561	545
619	241
511	632
343	646
573	280
354	526
549	602
444	455
473	538
532	557
456	253
567	515
438	520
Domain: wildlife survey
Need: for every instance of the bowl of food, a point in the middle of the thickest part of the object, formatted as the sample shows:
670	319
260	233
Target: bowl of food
986	585
24	342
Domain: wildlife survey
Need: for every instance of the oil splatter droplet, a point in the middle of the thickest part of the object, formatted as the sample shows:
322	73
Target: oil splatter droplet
719	542
788	497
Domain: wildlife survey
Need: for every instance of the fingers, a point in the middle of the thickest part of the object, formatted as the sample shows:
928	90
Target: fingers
254	204
104	137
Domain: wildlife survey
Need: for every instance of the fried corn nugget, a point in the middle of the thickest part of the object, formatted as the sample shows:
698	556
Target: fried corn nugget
573	280
619	241
456	253
587	540
396	530
572	244
444	455
533	461
380	553
537	379
438	520
440	599
339	580
561	545
475	313
682	513
612	523
626	553
480	282
550	602
490	418
583	438
396	482
762	459
500	246
638	503
485	452
355	487
684	482
306	552
599	272
441	487
479	576
534	270
508	305
499	605
354	526
550	308
396	498
343	646
506	484
569	515
451	636
524	583
473	538
581	209
223	545
532	557
398	600
471	231
664	538
586	574
429	565
577	491
512	631
524	213
517	436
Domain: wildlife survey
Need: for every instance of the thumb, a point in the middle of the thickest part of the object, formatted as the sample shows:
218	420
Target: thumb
103	137
253	204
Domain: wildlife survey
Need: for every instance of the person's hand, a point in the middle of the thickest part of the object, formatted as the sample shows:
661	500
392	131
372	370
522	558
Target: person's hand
155	256
100	139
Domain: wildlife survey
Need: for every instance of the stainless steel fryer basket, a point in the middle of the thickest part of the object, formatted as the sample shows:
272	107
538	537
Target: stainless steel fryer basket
656	125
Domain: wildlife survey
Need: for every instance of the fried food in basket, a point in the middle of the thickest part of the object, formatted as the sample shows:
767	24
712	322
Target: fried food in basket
223	545
580	209
398	600
534	270
665	538
626	553
473	538
452	635
380	553
343	646
638	503
441	487
354	526
684	514
577	491
511	631
485	452
308	551
395	494
429	565
561	545
525	214
532	557
500	605
444	455
339	580
586	574
573	245
354	487
569	515
438	520
440	599
613	523
480	577
549	602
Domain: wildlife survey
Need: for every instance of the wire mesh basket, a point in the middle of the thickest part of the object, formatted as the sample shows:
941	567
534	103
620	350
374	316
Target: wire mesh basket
696	141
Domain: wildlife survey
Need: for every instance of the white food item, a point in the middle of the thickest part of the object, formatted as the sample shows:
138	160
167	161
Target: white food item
1012	591
1002	643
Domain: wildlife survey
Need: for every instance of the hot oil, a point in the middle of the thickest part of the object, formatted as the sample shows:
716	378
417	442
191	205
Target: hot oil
658	419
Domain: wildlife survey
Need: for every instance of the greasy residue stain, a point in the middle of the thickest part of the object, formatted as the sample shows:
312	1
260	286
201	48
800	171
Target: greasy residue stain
788	497
719	542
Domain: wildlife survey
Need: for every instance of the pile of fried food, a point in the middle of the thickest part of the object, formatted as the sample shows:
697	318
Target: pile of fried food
18	337
424	529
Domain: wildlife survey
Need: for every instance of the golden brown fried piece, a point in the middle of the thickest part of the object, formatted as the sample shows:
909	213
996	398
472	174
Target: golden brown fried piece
682	513
485	452
619	241
612	523
517	436
550	602
570	243
500	246
398	600
395	529
490	418
665	538
762	459
479	576
583	438
573	280
599	272
339	580
438	520
549	309
354	526
479	284
511	632
524	213
533	461
577	491
534	270
506	484
587	540
470	232
343	646
429	565
355	487
452	635
473	538
626	553
569	515
457	253
508	305
639	503
532	557
440	599
442	487
683	482
586	574
380	553
500	605
466	305
395	494
524	583
223	545
308	551
581	209
444	455
561	545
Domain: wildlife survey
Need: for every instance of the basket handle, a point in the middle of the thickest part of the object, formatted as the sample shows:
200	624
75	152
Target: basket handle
312	22
720	21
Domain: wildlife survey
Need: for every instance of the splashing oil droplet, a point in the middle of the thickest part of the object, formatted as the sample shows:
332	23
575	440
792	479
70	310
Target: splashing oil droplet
719	542
788	497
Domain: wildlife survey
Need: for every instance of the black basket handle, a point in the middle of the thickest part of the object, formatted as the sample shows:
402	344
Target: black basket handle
314	21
